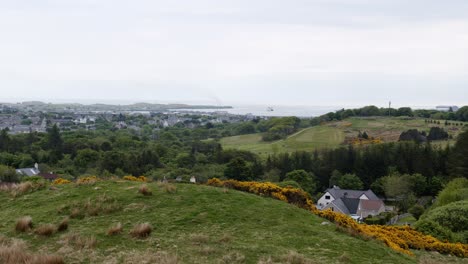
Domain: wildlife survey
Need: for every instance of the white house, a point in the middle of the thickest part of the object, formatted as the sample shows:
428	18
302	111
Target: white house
356	203
29	171
193	179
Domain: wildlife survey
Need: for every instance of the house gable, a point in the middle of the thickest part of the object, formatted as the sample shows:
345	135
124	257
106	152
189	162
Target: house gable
336	206
326	199
351	201
363	197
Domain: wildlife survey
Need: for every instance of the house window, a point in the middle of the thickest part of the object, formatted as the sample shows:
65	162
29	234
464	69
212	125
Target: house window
333	209
327	197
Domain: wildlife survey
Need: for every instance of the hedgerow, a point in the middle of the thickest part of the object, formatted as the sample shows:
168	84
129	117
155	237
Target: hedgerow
398	238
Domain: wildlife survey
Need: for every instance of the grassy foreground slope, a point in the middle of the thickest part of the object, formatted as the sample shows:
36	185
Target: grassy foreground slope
196	224
332	134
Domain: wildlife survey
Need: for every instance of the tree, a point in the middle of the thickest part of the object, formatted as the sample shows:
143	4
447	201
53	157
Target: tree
412	135
395	186
185	160
246	128
4	140
306	180
437	133
86	158
417	183
399	187
369	111
257	169
455	190
462	114
417	210
458	159
452	216
365	135
55	143
8	174
377	186
350	181
238	169
405	111
335	178
111	160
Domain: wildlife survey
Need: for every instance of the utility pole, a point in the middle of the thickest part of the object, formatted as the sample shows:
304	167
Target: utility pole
389	107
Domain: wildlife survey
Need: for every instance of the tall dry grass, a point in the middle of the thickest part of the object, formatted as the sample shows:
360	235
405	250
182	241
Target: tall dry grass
145	190
24	224
22	188
45	230
15	252
79	242
141	230
115	229
292	257
199	239
167	187
63	226
149	257
233	258
100	205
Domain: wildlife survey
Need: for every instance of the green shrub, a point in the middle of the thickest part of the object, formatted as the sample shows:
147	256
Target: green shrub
456	190
387	216
453	216
434	229
373	221
417	210
289	183
8	174
33	179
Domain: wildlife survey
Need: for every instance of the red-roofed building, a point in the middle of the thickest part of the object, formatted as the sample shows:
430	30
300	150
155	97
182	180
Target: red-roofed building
48	176
370	207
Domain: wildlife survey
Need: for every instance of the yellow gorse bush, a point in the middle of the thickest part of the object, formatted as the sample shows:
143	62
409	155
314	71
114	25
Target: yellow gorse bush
137	179
362	141
60	181
398	238
87	180
288	194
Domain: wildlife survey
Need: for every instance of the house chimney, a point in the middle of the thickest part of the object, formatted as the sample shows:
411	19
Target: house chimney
36	166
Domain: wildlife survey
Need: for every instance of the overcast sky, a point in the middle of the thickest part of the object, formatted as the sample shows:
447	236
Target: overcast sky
315	52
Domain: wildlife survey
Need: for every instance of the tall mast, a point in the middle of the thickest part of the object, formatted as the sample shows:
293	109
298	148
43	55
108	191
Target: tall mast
389	107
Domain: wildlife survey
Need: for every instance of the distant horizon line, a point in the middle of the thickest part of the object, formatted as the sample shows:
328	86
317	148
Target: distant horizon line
213	103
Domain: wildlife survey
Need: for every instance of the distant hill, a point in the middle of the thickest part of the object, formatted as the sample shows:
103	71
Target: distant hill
37	105
197	224
333	134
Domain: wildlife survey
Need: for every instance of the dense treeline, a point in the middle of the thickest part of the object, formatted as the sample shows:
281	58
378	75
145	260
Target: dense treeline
460	115
369	163
173	152
278	128
121	152
180	151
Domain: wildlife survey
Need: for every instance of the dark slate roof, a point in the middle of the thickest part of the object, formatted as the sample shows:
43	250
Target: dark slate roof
338	203
352	204
338	193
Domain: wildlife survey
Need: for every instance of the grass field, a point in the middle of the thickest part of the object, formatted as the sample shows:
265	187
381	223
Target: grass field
332	135
194	224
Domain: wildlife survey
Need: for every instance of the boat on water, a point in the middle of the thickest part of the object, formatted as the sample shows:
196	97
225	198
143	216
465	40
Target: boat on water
270	109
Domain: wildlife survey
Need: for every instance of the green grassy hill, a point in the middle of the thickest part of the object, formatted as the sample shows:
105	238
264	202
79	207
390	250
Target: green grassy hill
333	134
194	224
